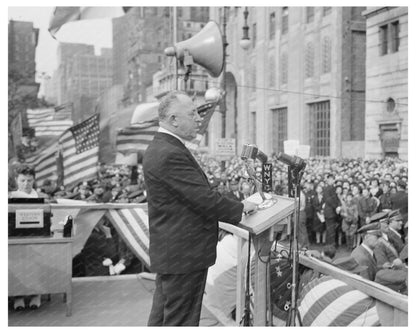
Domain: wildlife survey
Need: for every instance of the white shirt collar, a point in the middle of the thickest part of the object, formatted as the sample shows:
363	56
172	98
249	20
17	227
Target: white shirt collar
21	194
166	131
367	248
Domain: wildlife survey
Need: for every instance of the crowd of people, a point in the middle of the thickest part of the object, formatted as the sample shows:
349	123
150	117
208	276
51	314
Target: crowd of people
339	196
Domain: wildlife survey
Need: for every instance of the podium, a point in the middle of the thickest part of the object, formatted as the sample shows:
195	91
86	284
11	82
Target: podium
260	225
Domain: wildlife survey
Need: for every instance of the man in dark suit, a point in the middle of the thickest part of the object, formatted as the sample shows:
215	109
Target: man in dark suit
234	192
399	200
183	215
364	253
395	225
331	210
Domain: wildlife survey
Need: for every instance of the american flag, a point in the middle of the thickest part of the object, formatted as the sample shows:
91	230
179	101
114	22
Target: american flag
132	224
38	116
63	15
46	123
79	148
330	302
136	137
205	111
45	164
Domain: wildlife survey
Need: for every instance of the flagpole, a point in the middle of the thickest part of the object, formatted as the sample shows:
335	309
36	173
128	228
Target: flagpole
174	22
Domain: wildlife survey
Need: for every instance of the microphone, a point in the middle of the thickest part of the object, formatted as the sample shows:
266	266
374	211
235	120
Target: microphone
293	161
251	151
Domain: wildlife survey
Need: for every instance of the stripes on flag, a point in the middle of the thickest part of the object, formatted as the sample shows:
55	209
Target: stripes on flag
52	127
37	116
46	123
205	111
132	224
79	148
330	302
45	164
63	15
137	137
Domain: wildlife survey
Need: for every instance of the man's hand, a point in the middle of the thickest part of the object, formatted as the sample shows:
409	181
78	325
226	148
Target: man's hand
249	207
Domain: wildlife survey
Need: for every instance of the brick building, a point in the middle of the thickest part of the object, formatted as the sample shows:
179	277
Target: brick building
386	119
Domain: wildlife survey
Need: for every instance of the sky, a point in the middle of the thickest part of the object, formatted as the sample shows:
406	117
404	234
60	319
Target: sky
95	32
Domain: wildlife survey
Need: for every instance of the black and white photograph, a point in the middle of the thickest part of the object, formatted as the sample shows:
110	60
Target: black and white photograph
180	165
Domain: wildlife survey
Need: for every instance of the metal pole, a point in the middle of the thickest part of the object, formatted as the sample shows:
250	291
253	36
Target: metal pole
224	98
174	23
224	36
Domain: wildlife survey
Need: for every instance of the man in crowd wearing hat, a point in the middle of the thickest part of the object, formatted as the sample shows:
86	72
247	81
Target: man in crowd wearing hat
331	210
364	253
399	200
395	225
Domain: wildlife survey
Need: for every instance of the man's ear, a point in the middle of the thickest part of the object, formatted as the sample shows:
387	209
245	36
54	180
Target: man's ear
172	120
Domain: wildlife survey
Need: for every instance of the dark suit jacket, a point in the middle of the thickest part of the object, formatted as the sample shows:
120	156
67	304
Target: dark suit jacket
395	240
234	197
364	258
183	209
400	201
331	202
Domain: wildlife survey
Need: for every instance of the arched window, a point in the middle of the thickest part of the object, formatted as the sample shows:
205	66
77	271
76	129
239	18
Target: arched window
326	55
309	60
283	68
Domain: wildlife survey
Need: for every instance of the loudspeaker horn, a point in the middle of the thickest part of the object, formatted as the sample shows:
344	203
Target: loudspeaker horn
206	49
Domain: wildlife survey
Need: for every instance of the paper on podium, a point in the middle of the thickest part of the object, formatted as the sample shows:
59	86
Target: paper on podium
263	219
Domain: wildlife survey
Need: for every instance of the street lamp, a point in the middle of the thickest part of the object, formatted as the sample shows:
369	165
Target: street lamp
245	42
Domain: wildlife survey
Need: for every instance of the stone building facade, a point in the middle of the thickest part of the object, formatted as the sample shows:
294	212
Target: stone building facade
386	119
303	78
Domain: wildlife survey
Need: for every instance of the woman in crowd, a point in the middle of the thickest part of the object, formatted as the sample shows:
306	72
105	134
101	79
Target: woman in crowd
319	226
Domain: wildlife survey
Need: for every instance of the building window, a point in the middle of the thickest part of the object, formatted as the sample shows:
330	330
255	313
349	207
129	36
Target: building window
391	105
283	68
309	60
253	122
310	13
395	40
272	71
179	11
285	20
320	128
253	76
326	55
254	34
327	10
279	123
383	39
272	25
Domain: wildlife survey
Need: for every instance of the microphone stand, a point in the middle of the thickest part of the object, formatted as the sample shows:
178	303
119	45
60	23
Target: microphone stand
296	176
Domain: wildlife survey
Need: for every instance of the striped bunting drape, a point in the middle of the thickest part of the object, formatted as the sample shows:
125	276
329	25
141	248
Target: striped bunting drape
330	302
132	224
